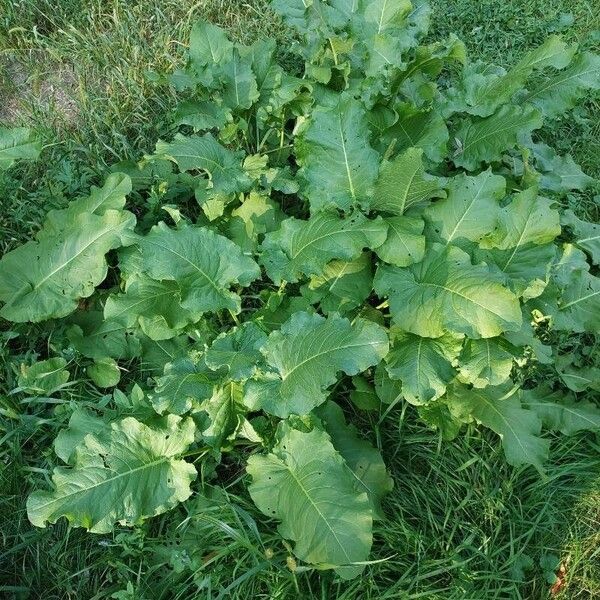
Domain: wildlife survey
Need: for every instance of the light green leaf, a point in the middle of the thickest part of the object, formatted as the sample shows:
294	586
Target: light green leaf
485	140
445	292
343	286
183	384
81	423
104	372
471	209
224	412
209	45
204	153
364	460
306	484
43	377
240	90
305	247
417	129
305	357
555	95
405	242
126	475
587	235
579	304
559	173
437	415
237	351
203	263
201	115
17	143
339	167
61	270
485	362
257	215
153	305
403	183
560	412
424	365
500	409
485	94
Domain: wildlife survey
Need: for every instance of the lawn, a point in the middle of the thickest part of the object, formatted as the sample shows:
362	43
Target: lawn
460	522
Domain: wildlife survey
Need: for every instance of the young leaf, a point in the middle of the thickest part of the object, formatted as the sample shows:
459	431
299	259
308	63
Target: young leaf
305	356
43	377
124	474
446	292
104	372
306	484
403	183
305	247
485	362
339	167
224	412
424	365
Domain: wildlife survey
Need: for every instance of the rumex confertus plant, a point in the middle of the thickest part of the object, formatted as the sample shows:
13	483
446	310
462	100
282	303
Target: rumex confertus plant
385	221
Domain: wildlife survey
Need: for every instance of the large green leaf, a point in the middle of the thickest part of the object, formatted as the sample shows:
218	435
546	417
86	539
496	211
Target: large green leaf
61	269
305	357
486	362
424	365
500	409
305	247
405	242
237	351
445	292
306	484
17	143
560	412
204	264
364	460
557	94
471	209
586	234
521	247
154	305
182	387
125	474
403	183
339	167
343	286
240	89
195	152
223	413
484	140
209	45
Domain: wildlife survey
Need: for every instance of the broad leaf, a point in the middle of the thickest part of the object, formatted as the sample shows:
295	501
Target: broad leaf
586	234
500	409
306	484
223	413
471	209
405	242
445	292
364	460
305	247
305	357
17	143
486	362
204	264
424	365
403	183
43	377
484	140
60	270
339	167
126	475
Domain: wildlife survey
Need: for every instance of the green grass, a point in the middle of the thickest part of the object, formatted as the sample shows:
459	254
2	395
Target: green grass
460	522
